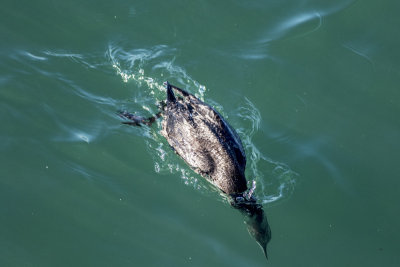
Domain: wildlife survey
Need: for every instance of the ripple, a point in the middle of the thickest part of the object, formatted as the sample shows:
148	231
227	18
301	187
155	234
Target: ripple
33	57
360	50
290	24
301	23
71	133
87	60
295	24
274	180
148	69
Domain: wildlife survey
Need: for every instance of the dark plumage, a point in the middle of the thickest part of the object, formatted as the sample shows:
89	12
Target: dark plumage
207	143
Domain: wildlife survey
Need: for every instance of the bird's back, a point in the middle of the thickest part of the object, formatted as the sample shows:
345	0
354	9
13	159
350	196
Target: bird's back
207	143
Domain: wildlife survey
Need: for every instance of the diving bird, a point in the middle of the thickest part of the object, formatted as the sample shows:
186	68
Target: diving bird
212	148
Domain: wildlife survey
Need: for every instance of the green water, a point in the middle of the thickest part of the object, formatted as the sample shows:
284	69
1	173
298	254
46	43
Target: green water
311	86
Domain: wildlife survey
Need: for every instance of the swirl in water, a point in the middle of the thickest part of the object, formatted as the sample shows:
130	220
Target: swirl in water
275	180
148	69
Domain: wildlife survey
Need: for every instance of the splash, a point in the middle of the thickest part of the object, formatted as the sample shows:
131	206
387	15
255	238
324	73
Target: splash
148	69
276	180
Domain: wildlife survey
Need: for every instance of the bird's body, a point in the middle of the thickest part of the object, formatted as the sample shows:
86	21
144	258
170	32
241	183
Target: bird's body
205	141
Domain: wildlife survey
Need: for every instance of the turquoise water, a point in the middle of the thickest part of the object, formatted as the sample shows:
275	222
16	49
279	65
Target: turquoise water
310	86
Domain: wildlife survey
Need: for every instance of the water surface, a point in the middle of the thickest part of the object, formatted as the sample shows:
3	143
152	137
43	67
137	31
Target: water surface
311	87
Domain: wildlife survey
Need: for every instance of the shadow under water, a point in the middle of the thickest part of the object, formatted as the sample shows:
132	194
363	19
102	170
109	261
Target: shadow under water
255	219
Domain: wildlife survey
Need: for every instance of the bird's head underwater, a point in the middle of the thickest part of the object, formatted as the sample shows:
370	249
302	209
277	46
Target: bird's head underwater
255	217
